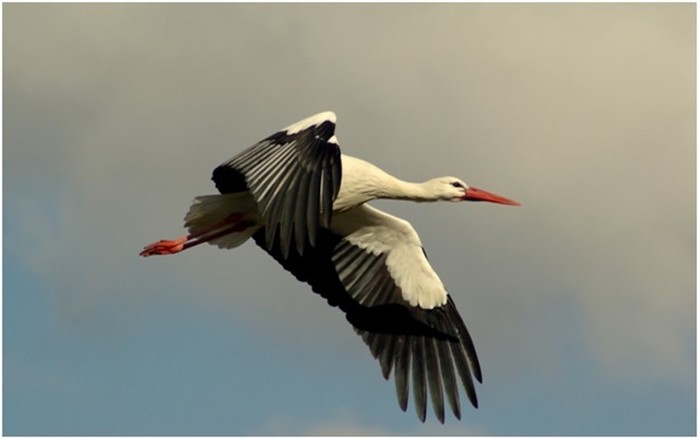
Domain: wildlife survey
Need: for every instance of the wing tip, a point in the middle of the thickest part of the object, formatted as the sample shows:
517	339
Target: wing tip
316	119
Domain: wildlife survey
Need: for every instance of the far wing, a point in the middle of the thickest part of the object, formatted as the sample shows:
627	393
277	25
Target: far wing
294	176
427	346
380	261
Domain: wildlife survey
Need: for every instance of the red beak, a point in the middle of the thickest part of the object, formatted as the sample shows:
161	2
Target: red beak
475	194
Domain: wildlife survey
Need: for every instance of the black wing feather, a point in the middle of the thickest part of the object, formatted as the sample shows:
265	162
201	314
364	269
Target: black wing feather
434	380
416	346
402	371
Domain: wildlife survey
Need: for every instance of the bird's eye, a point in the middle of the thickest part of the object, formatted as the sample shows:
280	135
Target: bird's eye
457	184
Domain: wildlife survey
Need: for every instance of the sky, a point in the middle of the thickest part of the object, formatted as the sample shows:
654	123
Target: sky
581	302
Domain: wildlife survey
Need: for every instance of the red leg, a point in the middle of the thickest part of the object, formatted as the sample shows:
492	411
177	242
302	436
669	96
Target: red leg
216	230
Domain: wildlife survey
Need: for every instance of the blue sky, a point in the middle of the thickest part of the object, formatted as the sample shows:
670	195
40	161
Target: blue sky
581	302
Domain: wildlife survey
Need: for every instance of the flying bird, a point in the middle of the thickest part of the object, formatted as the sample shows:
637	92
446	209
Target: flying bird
305	203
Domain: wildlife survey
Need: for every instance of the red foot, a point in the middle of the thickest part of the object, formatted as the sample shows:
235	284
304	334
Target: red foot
164	247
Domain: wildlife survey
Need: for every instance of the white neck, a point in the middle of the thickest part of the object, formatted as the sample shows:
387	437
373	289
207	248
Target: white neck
397	189
363	181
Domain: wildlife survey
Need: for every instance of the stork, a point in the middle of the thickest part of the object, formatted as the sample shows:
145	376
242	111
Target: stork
305	203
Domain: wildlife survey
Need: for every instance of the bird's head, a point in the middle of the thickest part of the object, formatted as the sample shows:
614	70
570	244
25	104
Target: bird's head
455	189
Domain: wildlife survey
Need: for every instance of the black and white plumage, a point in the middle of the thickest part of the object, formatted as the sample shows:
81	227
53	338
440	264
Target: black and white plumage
298	163
303	202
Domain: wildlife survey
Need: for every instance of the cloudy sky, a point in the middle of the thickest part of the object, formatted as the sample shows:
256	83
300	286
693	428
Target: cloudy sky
581	302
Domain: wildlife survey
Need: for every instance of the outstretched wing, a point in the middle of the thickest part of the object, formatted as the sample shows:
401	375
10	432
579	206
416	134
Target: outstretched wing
294	177
371	265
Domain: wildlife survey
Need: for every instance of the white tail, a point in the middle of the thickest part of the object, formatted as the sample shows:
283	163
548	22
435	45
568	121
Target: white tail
208	210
